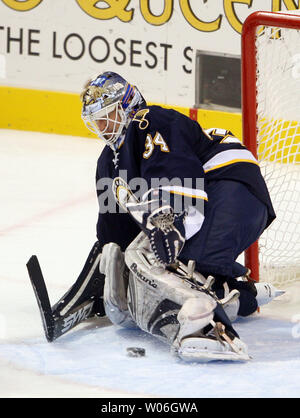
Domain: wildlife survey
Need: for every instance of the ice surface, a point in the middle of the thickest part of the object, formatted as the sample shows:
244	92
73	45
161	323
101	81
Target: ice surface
49	208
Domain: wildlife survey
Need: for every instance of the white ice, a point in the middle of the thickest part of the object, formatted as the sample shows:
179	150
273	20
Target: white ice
49	208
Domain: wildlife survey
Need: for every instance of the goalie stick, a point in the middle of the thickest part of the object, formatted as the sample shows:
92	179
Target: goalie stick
41	294
82	301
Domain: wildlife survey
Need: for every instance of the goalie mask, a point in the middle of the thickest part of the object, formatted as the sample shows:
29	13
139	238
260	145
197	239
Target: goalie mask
109	104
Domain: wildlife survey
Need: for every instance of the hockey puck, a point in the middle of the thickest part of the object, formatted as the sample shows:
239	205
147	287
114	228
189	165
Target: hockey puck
136	352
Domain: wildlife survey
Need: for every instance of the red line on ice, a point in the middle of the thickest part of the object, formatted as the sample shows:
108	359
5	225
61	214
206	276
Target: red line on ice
47	213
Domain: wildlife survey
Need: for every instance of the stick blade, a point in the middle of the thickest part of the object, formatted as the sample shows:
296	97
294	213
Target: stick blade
42	297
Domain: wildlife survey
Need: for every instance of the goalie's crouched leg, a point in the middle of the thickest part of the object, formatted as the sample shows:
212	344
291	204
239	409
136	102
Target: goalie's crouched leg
113	266
176	311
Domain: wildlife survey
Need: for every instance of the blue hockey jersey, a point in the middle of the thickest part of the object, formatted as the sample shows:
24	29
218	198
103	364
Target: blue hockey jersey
164	144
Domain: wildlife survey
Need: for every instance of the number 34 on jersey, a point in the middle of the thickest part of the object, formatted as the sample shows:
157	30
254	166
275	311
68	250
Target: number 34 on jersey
150	144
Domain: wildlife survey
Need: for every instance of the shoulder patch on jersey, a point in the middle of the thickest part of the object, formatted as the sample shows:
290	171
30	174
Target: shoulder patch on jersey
140	118
222	135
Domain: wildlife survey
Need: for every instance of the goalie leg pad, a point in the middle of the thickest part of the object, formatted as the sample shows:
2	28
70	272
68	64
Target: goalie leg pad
113	266
156	295
196	313
172	309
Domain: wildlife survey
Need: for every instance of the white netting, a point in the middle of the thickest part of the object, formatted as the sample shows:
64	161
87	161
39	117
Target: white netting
278	112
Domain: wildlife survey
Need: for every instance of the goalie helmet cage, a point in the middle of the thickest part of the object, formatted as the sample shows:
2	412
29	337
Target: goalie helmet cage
271	130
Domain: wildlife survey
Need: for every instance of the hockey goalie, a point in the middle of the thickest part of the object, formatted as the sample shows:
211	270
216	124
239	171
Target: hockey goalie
189	202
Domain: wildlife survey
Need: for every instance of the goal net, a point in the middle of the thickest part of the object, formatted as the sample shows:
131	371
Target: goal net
271	124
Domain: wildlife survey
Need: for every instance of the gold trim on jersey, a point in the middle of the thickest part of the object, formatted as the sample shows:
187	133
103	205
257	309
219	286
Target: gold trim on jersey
189	195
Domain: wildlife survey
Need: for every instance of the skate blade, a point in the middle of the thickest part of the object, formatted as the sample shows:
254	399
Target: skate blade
279	293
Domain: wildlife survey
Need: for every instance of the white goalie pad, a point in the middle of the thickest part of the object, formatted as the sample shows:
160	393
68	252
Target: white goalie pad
156	295
112	265
167	305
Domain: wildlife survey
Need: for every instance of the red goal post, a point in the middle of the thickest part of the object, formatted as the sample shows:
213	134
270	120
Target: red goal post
272	134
